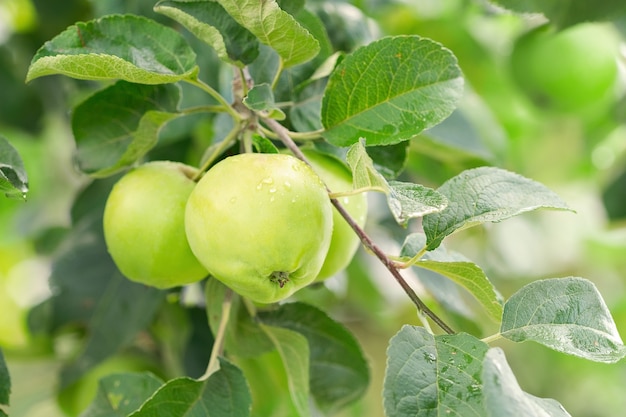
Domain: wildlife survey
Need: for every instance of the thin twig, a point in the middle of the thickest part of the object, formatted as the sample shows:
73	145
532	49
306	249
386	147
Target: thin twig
283	134
218	344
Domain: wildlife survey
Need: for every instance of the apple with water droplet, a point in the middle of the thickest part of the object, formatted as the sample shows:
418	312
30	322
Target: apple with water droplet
261	224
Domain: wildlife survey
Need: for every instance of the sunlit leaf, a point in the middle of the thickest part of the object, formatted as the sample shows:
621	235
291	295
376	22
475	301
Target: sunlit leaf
118	125
505	398
13	178
274	27
209	22
433	375
389	91
126	47
486	194
565	314
364	174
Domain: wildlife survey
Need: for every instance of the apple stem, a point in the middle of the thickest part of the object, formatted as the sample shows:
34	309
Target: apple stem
218	343
283	135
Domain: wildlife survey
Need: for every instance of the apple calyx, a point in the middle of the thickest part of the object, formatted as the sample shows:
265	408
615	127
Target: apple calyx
281	277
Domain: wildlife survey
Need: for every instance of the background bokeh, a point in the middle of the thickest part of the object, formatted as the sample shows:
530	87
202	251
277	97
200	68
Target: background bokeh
526	111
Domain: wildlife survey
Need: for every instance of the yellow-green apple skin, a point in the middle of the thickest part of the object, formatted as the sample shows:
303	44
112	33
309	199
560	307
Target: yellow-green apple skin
344	242
261	224
144	225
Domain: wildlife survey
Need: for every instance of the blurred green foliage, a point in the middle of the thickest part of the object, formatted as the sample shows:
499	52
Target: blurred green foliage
581	154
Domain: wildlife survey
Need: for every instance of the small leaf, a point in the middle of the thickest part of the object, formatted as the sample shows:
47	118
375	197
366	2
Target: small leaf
210	23
505	398
120	394
364	175
274	27
263	145
260	98
407	201
459	269
338	370
294	352
390	90
224	393
565	13
126	47
433	375
5	382
565	314
486	194
13	178
120	124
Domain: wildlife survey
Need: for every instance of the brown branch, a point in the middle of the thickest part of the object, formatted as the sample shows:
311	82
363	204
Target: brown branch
283	134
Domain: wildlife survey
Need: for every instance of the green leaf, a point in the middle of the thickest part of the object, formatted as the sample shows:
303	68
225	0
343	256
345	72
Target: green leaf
224	393
339	373
126	47
459	269
274	27
260	98
118	125
565	314
209	22
565	13
389	160
486	194
364	174
433	375
120	394
13	178
122	311
505	398
263	145
390	90
407	201
244	337
5	381
294	352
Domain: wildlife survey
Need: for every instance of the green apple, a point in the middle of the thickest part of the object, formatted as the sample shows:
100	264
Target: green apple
344	242
568	70
144	225
261	224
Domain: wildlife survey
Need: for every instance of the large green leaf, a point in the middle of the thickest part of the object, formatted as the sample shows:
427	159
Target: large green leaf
338	371
390	90
274	27
568	12
119	395
224	394
457	268
125	47
565	314
486	194
433	375
505	398
118	125
209	22
13	178
293	349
